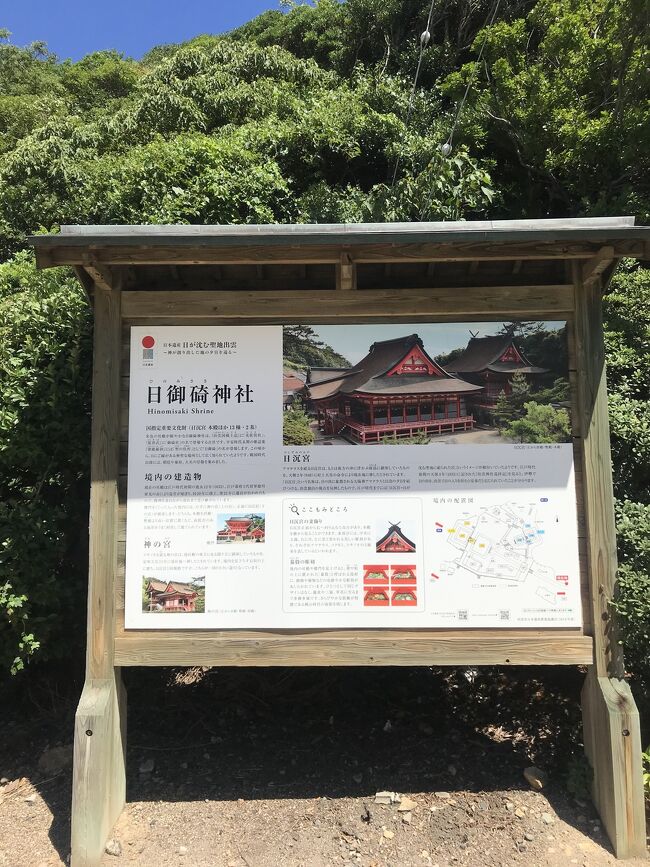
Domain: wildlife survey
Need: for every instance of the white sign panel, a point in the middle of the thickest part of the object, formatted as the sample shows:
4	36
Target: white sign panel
395	509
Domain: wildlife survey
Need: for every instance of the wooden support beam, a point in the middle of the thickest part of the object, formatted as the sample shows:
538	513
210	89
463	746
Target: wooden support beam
184	254
594	267
349	647
100	727
99	778
100	274
85	279
612	737
597	474
443	304
610	718
346	273
104	472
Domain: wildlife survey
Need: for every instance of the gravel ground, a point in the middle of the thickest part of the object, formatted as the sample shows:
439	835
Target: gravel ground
282	767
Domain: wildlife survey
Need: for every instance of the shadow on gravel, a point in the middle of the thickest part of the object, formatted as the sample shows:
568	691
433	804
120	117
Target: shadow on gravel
224	734
304	733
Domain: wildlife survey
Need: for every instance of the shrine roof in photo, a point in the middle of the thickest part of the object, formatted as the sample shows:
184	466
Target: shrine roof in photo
393	538
499	353
397	366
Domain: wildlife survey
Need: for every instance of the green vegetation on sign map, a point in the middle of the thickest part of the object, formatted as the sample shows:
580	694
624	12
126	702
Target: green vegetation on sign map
305	117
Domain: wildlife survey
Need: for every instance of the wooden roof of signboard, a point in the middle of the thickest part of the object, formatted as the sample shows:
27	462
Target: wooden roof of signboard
409	272
572	229
490	253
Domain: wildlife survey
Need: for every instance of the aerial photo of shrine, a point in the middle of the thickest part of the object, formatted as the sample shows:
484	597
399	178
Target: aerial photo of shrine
401	391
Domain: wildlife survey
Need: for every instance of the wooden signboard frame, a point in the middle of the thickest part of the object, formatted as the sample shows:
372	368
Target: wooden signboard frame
546	269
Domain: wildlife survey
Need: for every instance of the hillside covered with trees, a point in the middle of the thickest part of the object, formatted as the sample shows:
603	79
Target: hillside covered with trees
538	109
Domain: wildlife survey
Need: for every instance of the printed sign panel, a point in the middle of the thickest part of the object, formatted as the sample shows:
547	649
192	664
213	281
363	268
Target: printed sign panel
351	476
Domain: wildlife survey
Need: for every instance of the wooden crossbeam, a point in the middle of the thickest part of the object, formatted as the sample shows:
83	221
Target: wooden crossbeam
397	304
127	254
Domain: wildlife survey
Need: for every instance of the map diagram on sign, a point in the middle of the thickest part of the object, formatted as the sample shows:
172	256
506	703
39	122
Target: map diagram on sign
504	552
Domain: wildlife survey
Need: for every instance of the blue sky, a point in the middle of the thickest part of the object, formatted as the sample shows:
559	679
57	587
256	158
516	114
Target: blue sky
73	28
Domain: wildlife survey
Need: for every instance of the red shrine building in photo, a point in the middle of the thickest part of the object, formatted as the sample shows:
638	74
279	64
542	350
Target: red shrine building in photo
241	530
171	596
492	362
396	390
394	542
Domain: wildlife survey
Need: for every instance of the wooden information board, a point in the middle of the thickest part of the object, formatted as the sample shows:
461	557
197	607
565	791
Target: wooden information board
152	283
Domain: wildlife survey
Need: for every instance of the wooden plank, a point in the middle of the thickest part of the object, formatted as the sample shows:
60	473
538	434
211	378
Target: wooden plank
99	775
455	228
346	273
175	253
613	746
610	718
351	647
104	470
597	476
438	304
99	779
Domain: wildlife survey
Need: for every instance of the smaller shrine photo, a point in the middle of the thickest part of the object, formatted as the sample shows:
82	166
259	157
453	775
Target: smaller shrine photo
238	529
463	383
162	596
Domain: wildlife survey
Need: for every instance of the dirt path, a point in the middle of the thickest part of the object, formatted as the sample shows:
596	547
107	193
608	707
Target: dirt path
282	768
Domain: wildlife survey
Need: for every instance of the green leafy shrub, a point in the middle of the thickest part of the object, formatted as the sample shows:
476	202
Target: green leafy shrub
540	424
45	364
295	428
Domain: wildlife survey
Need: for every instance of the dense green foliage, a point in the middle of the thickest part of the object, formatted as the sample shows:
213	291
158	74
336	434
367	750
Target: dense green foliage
45	366
540	424
304	116
627	339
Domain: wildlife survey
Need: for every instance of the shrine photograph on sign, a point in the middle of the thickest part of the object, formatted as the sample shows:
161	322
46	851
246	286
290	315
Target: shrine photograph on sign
235	520
482	383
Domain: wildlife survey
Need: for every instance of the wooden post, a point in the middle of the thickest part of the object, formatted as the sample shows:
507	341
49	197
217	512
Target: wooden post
610	718
346	273
98	787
